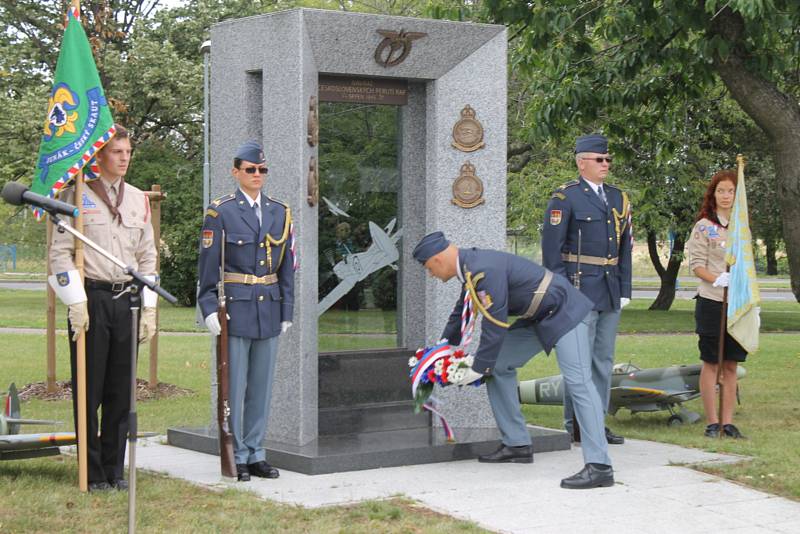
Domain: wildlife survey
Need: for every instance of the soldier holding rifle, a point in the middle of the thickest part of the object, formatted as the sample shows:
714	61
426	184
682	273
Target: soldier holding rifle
587	238
253	231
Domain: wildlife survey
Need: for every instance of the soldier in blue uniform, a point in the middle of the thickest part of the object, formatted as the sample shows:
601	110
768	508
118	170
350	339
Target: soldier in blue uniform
552	314
587	238
256	231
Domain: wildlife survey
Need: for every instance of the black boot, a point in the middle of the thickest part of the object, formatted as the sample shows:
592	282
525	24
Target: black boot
591	476
517	455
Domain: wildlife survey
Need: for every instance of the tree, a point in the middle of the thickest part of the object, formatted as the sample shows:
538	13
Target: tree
631	53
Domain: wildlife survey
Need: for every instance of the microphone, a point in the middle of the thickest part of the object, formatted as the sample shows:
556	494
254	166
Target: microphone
17	194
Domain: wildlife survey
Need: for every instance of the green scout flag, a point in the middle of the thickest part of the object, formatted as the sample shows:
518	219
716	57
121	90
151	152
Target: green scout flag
78	121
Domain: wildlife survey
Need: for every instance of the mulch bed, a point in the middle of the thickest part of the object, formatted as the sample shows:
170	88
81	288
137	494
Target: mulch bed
63	391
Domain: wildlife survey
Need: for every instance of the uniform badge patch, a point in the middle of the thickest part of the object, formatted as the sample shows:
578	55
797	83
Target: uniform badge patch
87	202
486	299
63	279
211	212
208	238
555	217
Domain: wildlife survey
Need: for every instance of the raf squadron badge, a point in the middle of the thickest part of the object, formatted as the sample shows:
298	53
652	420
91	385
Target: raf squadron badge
468	132
468	188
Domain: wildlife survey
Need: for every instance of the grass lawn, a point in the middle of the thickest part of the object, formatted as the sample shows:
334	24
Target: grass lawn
22	308
769	416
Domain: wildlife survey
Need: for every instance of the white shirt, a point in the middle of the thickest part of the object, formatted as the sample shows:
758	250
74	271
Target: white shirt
253	202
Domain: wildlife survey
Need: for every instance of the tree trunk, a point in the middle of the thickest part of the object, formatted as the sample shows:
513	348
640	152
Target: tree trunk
778	116
668	276
772	261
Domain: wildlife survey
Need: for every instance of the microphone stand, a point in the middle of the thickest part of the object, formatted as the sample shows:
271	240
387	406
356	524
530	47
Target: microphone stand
134	307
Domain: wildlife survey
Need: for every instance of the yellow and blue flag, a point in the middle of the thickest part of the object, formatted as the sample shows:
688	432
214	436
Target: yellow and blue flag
78	121
743	294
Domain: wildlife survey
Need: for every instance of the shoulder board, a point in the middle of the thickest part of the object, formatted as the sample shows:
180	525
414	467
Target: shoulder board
211	212
573	183
224	198
276	201
559	195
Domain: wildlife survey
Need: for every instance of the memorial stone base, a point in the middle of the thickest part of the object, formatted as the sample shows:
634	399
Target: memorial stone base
367	420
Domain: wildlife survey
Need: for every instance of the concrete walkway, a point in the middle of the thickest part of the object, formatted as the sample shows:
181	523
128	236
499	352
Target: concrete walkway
653	493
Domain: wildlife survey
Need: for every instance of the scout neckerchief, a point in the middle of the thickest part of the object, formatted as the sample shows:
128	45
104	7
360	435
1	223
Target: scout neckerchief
100	190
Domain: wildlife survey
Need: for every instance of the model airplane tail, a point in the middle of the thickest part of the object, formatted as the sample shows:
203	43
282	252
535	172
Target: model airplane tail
10	420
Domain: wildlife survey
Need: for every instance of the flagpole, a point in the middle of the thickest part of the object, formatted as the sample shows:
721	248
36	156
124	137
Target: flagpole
723	323
80	344
723	328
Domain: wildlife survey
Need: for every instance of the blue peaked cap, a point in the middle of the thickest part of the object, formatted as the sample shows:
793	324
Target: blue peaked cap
250	151
430	246
591	143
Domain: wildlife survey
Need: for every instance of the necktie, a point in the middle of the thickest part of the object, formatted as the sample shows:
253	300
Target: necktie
602	195
258	213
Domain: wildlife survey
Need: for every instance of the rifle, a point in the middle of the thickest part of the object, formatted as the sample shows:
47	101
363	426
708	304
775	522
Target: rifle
228	463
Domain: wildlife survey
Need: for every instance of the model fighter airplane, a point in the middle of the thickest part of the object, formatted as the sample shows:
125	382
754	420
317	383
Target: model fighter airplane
638	390
16	446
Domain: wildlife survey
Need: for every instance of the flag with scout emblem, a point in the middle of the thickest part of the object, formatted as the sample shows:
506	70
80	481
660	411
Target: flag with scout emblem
743	294
78	121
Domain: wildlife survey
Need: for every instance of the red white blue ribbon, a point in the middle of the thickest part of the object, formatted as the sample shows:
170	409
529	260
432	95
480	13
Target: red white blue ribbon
292	247
428	359
431	406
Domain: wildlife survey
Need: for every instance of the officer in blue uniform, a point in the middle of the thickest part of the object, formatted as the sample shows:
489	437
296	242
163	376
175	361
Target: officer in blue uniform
256	231
552	314
587	239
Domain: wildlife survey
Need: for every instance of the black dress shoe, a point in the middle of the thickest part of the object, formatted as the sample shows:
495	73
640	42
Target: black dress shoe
731	431
613	439
712	431
263	469
99	486
590	477
242	473
517	455
121	484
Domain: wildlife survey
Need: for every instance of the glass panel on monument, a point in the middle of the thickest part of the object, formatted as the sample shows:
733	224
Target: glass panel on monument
358	228
363	373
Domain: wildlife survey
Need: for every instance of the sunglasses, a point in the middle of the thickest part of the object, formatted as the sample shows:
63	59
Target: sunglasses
600	160
252	170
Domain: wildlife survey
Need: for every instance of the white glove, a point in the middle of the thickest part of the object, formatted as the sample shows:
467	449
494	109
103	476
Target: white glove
469	377
78	315
285	325
147	324
722	280
624	301
212	323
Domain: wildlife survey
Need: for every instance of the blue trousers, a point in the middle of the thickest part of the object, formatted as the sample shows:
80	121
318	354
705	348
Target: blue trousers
574	360
602	338
252	369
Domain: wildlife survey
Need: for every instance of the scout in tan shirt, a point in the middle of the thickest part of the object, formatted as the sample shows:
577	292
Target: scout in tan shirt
706	248
117	218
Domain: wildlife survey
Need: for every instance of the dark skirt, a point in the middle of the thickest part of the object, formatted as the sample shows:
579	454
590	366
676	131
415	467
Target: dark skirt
707	320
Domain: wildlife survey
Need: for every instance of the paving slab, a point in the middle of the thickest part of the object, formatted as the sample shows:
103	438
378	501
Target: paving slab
655	491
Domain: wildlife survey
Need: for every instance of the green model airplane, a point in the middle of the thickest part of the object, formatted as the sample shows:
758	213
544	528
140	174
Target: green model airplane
16	446
638	390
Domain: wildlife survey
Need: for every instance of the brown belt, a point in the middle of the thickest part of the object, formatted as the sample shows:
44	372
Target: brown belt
588	260
251	279
538	295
